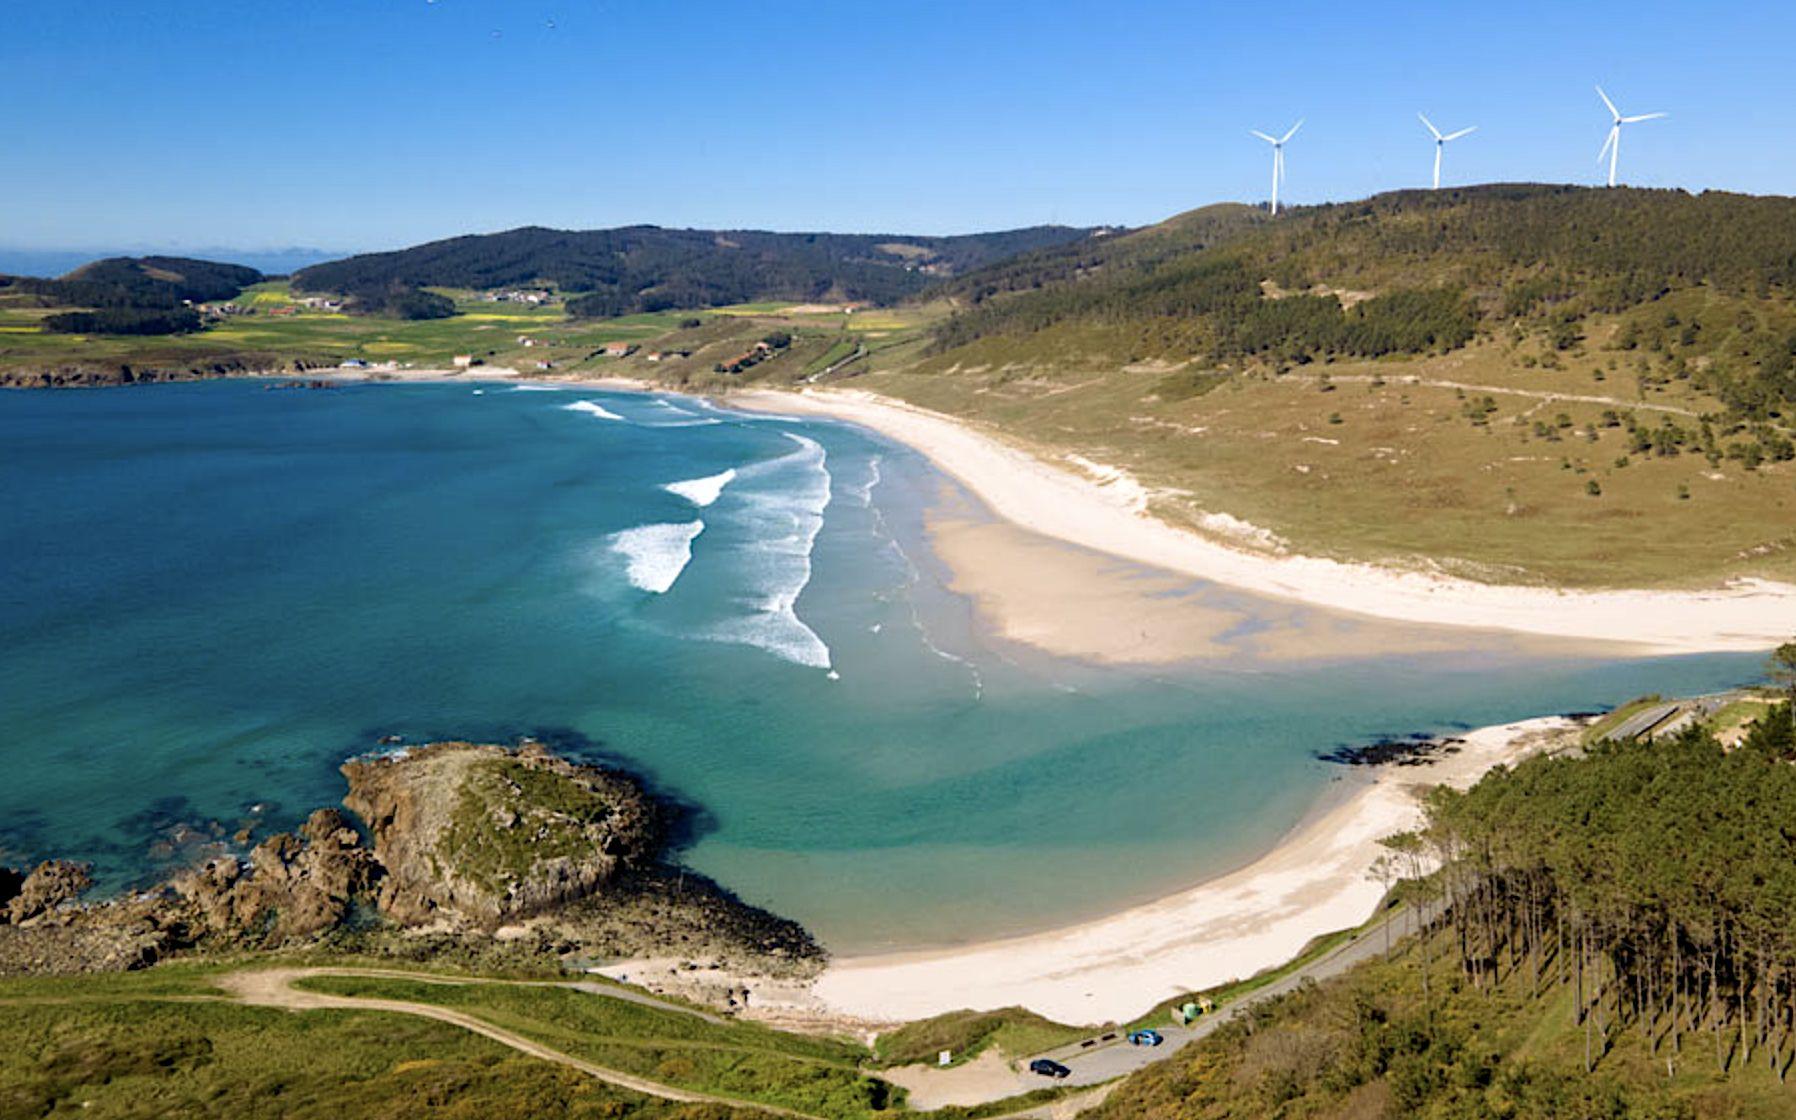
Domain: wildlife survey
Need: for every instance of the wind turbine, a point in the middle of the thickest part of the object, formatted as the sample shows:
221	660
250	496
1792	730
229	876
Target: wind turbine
1441	142
1612	146
1278	159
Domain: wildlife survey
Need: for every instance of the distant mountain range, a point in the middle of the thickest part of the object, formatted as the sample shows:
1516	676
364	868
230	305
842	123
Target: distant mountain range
647	268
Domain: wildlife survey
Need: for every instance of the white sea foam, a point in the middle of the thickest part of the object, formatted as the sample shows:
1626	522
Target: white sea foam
655	555
592	408
864	492
702	492
677	417
536	388
784	516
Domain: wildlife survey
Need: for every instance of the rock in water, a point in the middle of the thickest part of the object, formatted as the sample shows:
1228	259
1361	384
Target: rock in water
486	835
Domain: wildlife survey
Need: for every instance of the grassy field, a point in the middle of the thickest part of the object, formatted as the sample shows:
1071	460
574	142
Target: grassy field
120	1047
1483	461
738	1060
489	331
168	1041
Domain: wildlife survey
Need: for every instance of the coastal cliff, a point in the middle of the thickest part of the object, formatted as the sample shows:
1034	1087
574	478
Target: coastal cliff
475	850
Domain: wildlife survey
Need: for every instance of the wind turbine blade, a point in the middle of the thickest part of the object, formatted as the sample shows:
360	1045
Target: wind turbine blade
1291	133
1613	111
1430	126
1461	132
1644	117
1614	131
1262	136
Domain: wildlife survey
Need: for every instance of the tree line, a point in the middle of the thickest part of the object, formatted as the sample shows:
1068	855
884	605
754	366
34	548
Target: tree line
1656	880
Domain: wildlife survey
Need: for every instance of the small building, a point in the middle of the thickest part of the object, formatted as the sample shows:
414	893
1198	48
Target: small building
619	349
353	363
463	361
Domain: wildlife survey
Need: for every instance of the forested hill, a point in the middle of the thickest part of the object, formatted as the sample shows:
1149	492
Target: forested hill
646	268
141	282
1507	251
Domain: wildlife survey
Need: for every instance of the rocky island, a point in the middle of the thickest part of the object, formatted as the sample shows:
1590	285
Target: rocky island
508	855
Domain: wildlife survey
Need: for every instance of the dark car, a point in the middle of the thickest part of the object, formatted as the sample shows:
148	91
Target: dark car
1145	1038
1048	1067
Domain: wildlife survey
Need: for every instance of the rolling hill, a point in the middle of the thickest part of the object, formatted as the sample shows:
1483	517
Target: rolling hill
646	268
1513	382
140	282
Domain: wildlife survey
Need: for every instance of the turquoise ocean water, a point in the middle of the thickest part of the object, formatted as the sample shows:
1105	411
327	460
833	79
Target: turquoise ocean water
210	595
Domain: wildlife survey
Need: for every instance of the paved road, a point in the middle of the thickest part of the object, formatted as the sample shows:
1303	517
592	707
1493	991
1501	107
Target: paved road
1105	1060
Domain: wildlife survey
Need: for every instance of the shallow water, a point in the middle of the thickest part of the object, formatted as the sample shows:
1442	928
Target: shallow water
210	595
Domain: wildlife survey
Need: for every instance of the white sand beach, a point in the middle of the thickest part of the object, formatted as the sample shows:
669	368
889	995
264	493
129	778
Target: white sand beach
1314	882
1107	510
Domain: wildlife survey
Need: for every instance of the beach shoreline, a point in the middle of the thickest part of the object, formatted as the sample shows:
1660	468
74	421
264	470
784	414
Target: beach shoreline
1107	510
1318	879
1315	881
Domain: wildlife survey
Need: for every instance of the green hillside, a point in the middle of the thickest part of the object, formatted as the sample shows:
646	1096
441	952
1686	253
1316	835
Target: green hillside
1513	383
1415	272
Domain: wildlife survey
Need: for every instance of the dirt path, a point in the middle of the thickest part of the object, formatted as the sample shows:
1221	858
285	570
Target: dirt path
1544	395
274	988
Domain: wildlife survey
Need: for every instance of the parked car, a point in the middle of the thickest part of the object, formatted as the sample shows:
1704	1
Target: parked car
1048	1067
1145	1038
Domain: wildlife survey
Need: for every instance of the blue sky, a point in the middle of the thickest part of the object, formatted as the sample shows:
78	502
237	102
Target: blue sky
355	124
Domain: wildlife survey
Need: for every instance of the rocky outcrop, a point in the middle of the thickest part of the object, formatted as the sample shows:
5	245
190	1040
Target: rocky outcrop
294	887
49	885
88	375
486	835
477	851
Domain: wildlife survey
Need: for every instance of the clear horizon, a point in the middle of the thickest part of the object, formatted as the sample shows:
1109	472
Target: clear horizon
426	119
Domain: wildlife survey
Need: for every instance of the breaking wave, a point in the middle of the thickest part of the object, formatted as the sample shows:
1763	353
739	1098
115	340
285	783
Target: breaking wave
783	517
702	492
592	408
655	555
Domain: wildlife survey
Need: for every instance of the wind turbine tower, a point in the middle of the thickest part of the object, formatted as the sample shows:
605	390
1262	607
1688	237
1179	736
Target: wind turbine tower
1278	159
1441	142
1612	146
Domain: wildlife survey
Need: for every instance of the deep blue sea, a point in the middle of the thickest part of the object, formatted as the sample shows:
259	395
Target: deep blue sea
213	594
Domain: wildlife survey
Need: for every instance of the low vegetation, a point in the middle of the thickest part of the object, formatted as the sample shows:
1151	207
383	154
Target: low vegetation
137	1056
820	1077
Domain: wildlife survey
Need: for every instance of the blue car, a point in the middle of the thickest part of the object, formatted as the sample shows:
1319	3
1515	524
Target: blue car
1048	1067
1145	1038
